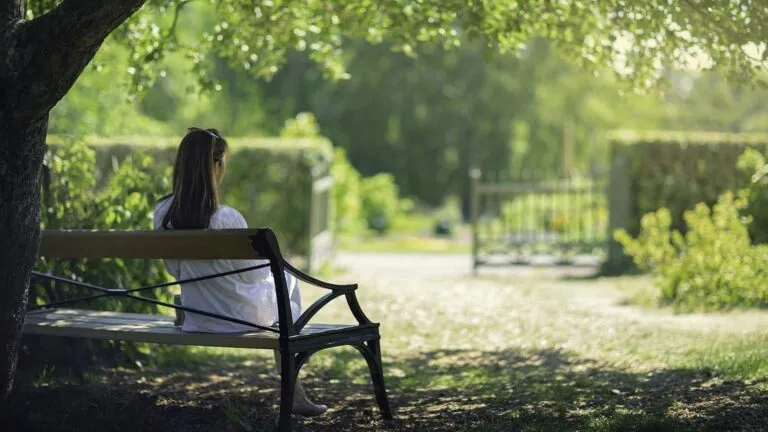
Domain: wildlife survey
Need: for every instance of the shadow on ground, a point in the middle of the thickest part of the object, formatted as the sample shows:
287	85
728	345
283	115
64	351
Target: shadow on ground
430	391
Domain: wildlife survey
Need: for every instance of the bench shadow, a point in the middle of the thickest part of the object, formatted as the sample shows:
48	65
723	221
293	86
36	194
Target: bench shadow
503	390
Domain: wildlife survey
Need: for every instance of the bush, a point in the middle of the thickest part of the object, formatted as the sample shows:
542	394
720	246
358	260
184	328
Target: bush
712	266
381	204
71	198
678	170
268	179
271	183
346	194
303	126
753	168
447	217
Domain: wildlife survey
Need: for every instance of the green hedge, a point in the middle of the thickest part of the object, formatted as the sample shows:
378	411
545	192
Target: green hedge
676	170
268	179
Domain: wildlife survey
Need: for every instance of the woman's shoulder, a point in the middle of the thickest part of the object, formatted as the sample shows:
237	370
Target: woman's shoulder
161	208
227	211
228	217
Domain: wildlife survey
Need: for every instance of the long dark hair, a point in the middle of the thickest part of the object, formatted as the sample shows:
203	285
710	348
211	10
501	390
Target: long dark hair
195	196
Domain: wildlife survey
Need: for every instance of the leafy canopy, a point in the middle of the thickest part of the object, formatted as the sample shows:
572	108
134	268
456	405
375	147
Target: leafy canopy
636	37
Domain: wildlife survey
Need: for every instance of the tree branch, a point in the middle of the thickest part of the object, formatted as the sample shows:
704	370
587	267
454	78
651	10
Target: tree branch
171	33
51	51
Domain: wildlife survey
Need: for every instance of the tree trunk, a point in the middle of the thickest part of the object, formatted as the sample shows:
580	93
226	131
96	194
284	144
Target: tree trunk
40	60
21	157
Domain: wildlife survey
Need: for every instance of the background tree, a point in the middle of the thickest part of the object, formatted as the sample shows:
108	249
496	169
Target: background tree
436	114
46	44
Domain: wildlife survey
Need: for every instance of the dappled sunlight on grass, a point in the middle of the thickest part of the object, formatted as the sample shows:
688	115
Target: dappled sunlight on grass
530	349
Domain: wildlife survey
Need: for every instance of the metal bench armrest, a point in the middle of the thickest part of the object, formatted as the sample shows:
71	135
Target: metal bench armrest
317	282
314	308
347	290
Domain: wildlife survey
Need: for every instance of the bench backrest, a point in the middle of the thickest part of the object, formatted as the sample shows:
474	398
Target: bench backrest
181	244
172	244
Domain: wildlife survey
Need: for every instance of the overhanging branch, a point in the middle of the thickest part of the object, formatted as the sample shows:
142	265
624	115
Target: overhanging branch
53	49
171	33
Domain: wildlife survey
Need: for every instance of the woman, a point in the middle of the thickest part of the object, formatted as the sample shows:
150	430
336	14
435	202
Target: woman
201	162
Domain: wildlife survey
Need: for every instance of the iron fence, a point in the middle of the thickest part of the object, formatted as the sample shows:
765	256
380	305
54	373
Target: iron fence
529	218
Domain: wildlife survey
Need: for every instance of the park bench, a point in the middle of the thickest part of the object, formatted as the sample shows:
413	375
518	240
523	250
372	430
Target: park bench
295	341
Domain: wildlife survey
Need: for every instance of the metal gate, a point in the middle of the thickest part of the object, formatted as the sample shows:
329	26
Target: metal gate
532	219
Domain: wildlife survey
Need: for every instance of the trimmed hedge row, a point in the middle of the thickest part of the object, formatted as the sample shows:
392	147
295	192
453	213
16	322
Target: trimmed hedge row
268	179
676	170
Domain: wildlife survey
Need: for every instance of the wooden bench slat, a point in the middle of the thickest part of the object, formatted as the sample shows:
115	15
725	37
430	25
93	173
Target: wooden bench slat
146	328
172	244
103	321
94	315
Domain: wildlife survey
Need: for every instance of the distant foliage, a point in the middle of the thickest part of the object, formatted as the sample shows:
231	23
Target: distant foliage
303	126
719	262
76	195
268	179
679	170
272	187
754	170
72	198
381	204
712	266
373	202
347	206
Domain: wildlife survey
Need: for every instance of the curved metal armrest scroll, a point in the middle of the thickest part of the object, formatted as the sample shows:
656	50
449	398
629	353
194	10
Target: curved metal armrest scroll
317	282
314	308
357	311
347	290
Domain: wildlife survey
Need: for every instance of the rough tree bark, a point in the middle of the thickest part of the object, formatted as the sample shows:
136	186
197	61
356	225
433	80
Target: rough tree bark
40	60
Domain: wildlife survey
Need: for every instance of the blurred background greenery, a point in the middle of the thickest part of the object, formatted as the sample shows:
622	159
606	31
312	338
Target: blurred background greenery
399	133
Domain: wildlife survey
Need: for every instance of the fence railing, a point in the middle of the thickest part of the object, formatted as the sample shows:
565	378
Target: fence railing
320	223
516	220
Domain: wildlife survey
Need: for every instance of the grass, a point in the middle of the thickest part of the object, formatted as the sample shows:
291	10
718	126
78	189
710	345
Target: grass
523	349
410	234
403	244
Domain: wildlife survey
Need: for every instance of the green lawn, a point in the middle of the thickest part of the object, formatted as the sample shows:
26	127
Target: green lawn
531	349
403	243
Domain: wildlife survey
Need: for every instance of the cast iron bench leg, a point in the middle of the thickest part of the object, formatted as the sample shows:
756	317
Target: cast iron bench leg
372	353
287	386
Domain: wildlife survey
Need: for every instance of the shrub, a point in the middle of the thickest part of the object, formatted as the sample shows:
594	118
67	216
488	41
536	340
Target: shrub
712	266
268	179
677	170
71	198
447	216
303	126
346	194
753	167
381	204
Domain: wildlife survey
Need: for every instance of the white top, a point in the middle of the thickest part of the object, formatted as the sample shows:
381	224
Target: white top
249	296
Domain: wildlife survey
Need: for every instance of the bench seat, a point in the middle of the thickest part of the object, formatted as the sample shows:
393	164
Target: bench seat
135	327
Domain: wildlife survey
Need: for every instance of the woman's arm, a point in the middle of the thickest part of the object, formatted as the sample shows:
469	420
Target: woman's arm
232	219
173	266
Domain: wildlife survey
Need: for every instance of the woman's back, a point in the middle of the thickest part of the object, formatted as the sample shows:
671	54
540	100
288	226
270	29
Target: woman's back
248	296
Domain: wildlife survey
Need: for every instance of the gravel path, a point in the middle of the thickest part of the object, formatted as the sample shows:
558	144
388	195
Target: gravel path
571	288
